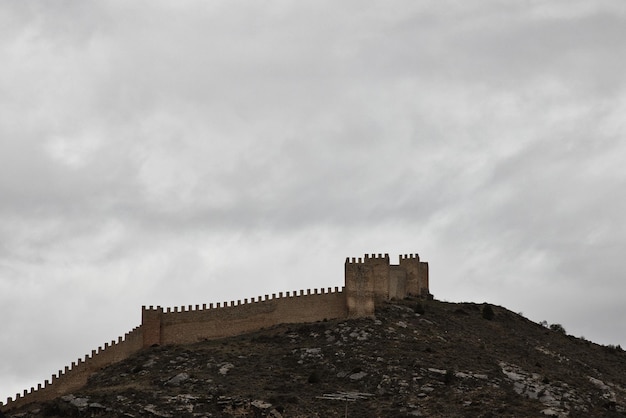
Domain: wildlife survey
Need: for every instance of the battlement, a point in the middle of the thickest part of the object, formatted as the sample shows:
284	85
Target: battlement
368	281
409	257
239	302
368	258
374	256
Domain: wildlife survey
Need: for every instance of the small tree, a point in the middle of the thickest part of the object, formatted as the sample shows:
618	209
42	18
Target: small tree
488	312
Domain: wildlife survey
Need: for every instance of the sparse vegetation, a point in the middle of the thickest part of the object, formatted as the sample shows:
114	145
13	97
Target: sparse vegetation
614	347
558	328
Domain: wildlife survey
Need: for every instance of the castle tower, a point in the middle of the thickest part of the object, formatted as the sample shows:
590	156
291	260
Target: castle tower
380	275
416	275
359	288
374	280
151	325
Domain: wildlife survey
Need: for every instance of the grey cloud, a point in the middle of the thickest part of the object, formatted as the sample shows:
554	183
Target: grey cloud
161	153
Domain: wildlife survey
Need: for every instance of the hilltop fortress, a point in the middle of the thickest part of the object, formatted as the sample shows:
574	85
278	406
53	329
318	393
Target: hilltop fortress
368	281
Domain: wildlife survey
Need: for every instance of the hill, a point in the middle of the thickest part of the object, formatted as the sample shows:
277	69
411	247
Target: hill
414	358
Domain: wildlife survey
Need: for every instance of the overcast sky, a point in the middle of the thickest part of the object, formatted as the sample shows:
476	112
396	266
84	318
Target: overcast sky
188	152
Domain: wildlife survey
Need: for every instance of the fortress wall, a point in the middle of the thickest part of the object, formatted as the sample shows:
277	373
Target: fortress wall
228	319
397	282
75	376
367	281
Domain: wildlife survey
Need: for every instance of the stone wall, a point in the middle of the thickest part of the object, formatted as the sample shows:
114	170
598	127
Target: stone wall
75	376
180	326
368	281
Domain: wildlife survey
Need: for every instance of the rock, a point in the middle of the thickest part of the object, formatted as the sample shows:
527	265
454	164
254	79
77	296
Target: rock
178	379
261	405
225	368
152	409
79	403
357	376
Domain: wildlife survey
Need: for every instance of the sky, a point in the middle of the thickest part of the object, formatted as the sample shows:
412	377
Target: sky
186	152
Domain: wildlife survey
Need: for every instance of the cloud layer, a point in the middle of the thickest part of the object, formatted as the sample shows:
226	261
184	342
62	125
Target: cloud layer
192	152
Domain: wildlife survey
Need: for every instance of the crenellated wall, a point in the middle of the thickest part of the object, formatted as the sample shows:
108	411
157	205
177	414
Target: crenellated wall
75	376
180	326
368	281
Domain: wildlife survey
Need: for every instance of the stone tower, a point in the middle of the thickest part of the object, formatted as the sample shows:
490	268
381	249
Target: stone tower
373	279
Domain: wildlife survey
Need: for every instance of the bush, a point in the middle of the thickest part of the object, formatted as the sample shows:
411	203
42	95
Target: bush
419	308
488	312
314	377
614	348
557	328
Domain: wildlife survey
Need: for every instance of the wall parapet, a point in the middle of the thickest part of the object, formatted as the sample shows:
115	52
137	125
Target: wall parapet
239	302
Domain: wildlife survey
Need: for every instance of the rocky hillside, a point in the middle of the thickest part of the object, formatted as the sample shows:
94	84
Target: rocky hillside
416	358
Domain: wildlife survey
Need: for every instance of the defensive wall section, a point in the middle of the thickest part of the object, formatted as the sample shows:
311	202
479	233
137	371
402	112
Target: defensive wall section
368	282
226	320
75	376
